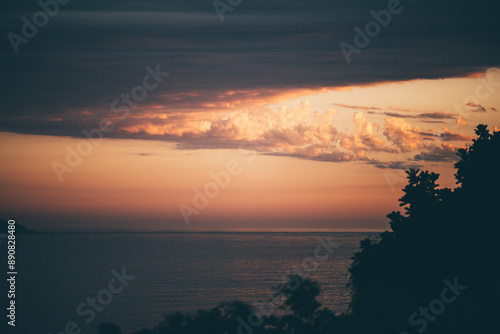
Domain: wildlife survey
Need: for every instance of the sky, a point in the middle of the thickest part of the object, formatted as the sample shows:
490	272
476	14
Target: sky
155	115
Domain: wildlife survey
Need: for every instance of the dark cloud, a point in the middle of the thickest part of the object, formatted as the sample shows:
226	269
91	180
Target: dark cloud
330	157
449	135
357	107
475	107
438	153
393	164
423	116
428	133
437	115
433	122
93	51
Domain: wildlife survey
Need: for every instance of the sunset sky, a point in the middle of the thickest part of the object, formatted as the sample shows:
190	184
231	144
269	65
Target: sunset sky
304	138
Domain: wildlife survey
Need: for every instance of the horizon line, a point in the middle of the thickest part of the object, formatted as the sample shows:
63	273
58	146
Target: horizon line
231	230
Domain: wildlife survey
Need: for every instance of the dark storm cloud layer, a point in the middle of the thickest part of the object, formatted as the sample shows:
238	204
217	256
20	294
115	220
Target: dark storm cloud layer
92	51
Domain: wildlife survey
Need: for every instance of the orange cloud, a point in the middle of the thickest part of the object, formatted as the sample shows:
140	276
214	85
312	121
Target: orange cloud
449	135
365	139
402	134
461	121
289	130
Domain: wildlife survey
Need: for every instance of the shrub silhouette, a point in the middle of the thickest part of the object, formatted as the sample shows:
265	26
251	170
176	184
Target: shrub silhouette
299	305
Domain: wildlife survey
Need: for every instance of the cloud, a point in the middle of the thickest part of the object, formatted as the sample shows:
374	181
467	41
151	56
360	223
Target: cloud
475	107
437	115
449	135
296	132
261	45
393	164
326	157
424	117
288	131
460	121
365	138
402	134
355	107
438	153
432	122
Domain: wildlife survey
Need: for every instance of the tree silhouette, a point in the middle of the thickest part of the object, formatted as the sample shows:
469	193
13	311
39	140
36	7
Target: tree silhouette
443	234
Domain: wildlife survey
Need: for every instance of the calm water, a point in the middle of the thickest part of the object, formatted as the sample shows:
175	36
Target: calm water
173	272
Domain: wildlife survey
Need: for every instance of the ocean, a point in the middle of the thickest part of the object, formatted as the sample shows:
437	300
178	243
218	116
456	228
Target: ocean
171	272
